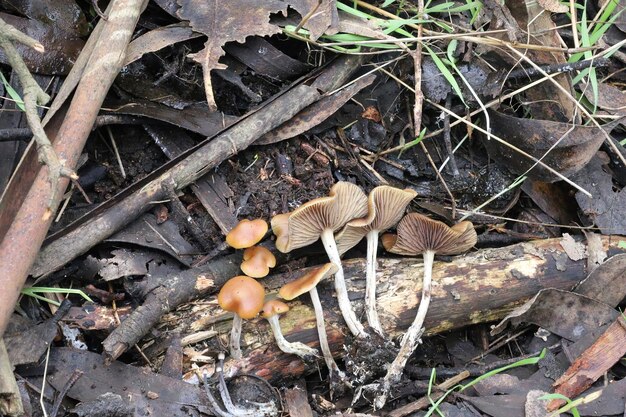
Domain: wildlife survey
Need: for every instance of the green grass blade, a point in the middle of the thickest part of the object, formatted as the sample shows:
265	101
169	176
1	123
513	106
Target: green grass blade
523	362
446	73
414	142
12	93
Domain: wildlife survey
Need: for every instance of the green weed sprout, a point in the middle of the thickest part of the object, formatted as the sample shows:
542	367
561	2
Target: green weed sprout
460	388
35	291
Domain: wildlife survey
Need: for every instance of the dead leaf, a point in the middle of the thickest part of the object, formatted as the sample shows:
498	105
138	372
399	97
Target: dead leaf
595	250
324	18
575	250
553	6
131	382
225	23
371	113
606	283
264	58
316	113
535	407
607	207
610	403
576	145
564	313
157	39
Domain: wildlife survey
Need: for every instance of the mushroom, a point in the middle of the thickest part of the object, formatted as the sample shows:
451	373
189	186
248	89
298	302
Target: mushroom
244	297
420	234
307	283
320	218
257	261
386	206
247	233
271	310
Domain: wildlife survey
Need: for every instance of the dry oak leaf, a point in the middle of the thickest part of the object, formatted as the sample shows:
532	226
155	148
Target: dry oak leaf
223	22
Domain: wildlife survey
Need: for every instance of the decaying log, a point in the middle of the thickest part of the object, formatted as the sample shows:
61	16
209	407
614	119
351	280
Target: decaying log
479	287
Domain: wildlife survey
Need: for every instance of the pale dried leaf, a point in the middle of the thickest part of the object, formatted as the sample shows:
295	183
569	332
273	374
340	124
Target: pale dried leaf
575	250
553	6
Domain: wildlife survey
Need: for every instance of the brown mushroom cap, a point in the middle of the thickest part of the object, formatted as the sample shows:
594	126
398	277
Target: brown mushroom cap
242	295
304	225
388	240
306	282
386	205
247	233
418	233
257	262
273	308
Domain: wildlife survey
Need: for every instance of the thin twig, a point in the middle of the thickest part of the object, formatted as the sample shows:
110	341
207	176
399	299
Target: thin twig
63	392
117	153
454	170
308	16
33	97
417	71
443	181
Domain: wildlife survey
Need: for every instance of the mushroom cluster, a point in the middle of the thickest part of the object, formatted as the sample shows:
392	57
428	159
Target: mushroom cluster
245	297
320	219
353	215
340	220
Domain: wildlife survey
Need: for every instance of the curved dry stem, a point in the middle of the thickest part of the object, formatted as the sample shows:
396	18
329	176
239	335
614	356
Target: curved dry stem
411	338
235	335
297	348
356	328
370	283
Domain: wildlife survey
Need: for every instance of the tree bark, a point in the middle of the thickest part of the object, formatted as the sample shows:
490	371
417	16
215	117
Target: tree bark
476	288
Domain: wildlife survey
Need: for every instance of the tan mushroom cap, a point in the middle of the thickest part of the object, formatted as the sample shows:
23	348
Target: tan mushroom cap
304	225
242	295
273	308
386	205
257	262
306	282
247	233
418	233
388	240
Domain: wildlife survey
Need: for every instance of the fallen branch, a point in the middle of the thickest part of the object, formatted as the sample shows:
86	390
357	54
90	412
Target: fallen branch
22	239
480	287
111	216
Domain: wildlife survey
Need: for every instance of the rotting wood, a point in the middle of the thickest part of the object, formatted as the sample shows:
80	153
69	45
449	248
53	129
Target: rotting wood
162	294
480	287
596	361
10	399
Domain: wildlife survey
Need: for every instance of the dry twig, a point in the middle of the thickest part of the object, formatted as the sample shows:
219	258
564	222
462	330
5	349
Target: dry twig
34	96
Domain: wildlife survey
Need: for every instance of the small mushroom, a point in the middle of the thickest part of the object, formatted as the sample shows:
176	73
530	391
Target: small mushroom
257	262
244	297
386	206
308	283
320	218
247	233
420	234
271	310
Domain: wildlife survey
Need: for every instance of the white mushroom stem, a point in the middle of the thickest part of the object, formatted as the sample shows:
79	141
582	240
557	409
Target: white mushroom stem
321	332
235	335
411	338
297	348
356	328
370	283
